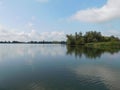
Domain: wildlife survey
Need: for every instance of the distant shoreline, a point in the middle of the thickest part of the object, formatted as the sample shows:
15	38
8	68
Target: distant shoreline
33	42
100	45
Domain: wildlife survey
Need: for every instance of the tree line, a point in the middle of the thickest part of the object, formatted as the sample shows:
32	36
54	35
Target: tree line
89	37
35	42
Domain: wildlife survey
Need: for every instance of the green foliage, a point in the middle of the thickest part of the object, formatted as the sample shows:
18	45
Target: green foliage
93	36
104	45
70	40
89	37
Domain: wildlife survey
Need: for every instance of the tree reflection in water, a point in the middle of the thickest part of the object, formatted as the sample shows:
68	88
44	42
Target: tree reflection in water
91	53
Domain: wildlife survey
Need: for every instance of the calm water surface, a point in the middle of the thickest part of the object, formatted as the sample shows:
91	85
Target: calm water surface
57	67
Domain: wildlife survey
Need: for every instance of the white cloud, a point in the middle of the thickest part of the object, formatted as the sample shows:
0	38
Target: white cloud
109	11
112	32
10	35
42	1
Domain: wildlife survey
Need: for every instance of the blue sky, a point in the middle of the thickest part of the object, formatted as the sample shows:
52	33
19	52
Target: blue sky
26	20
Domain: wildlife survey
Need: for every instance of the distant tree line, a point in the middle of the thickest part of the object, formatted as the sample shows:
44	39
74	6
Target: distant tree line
35	42
89	37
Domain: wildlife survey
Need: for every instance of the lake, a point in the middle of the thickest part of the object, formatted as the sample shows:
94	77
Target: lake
58	67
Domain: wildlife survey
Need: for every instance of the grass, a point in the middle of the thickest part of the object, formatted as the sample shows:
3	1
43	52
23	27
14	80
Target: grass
104	45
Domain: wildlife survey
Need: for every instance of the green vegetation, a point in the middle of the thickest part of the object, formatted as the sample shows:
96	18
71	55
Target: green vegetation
93	39
104	45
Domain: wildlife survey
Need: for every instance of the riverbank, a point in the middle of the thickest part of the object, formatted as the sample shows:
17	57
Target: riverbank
103	45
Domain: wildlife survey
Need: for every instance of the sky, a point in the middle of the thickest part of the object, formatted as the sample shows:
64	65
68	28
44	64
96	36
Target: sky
26	20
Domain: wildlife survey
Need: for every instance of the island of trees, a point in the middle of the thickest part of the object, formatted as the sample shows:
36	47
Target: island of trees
89	39
93	39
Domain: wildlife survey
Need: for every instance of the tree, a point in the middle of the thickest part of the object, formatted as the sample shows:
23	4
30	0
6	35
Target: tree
90	36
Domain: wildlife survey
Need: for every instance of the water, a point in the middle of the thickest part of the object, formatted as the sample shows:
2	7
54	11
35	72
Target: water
57	67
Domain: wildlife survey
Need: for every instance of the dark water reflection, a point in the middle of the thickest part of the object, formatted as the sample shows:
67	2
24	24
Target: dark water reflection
48	67
91	53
